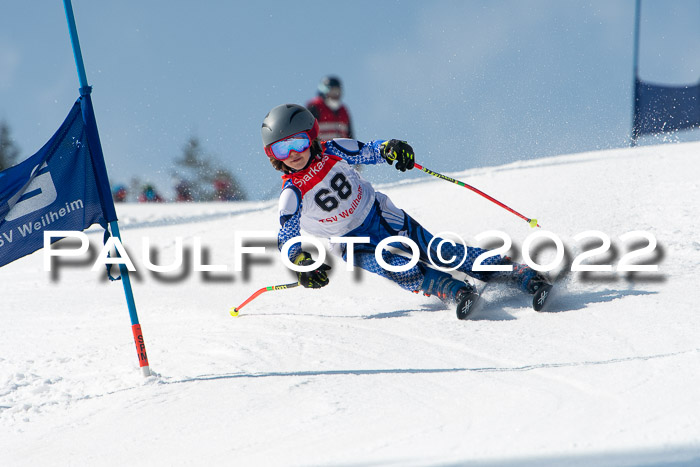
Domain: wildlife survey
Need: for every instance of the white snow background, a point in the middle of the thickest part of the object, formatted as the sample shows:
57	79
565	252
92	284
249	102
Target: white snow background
362	372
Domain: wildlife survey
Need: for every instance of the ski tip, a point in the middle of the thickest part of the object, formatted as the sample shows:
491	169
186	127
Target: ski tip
466	306
539	300
234	311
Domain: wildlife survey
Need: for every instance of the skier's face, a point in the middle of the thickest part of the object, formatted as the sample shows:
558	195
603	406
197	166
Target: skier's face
298	160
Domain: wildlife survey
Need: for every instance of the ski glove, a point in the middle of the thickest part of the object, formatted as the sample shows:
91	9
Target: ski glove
399	151
311	279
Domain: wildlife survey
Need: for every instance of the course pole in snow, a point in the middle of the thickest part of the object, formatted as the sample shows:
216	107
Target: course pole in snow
103	183
532	222
235	310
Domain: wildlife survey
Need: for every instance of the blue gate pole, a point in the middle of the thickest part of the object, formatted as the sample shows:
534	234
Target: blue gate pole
103	183
635	66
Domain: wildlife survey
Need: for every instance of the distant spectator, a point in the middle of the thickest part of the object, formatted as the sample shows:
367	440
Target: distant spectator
119	193
332	116
183	191
150	195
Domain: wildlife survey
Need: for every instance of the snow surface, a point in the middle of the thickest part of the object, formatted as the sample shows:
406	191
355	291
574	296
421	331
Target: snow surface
362	372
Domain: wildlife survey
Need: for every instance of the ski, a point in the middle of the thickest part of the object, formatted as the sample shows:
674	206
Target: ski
469	303
539	300
466	305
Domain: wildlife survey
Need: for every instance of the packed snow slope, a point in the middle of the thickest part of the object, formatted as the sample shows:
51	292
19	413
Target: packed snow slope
362	372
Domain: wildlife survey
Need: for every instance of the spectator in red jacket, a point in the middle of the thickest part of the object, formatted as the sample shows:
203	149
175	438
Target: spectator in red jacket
332	116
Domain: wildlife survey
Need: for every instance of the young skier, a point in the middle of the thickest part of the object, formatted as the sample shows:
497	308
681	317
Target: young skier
323	195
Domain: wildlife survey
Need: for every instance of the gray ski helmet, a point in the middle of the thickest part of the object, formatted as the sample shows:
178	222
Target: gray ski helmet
286	120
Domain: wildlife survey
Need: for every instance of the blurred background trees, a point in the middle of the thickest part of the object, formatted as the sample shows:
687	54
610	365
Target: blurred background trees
198	178
9	152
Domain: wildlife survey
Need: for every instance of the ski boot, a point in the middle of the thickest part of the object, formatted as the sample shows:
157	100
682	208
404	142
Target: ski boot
529	281
533	283
450	291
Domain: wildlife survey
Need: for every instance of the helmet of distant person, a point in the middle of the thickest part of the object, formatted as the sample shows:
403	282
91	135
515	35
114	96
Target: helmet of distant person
331	90
330	86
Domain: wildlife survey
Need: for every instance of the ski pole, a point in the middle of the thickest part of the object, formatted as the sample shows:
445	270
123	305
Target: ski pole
234	310
533	222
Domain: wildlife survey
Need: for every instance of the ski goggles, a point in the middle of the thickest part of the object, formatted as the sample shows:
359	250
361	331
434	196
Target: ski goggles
280	150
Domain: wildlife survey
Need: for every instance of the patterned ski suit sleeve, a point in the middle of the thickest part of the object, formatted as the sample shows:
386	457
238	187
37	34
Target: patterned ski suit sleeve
290	219
355	152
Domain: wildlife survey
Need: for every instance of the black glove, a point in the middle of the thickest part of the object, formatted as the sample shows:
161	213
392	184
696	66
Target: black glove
399	151
311	279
